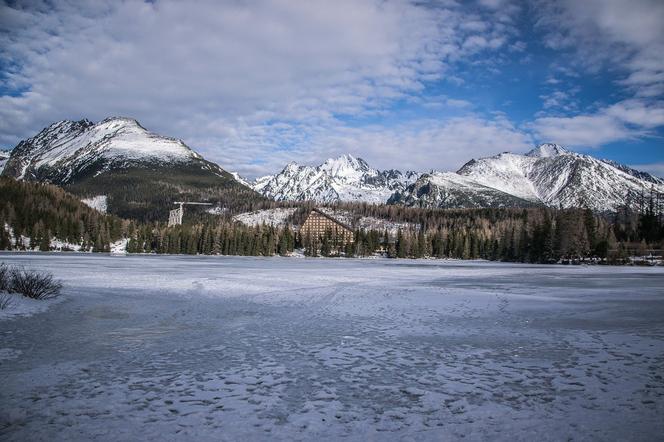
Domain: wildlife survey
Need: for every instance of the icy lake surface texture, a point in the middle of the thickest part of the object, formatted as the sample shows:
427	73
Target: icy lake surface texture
220	348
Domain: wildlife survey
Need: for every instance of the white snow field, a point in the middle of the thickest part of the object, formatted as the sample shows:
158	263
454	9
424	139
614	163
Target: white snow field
226	349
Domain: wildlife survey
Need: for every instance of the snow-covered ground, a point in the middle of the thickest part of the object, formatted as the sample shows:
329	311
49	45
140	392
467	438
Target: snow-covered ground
99	202
276	217
221	348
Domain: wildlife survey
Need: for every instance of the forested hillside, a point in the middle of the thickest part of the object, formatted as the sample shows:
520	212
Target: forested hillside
40	213
148	194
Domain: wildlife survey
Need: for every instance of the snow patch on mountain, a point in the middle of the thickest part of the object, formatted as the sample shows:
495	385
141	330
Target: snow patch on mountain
548	150
368	222
98	202
452	190
240	179
273	217
4	156
506	172
557	177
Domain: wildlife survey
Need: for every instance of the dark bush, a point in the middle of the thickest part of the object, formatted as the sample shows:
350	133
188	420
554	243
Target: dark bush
33	284
5	277
6	300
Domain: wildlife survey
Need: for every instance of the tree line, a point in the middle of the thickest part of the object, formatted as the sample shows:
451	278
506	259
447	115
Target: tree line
44	212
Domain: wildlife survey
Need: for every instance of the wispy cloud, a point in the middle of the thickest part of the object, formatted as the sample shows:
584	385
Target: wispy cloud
656	169
625	120
623	35
416	145
403	83
183	66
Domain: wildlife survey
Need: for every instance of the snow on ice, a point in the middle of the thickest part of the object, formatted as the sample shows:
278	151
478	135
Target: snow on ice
231	348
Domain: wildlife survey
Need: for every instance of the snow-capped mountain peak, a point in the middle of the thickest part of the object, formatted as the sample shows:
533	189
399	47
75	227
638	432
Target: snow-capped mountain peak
345	178
548	150
107	162
344	165
554	176
549	175
66	147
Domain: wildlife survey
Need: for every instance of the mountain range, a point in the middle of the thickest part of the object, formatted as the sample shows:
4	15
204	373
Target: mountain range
338	179
139	174
547	175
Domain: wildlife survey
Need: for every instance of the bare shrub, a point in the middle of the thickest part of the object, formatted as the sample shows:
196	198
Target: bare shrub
5	277
33	284
6	300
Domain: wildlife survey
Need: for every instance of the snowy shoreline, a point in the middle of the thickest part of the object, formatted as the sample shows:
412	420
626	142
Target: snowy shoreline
118	252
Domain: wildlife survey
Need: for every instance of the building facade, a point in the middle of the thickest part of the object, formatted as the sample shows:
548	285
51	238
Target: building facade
318	224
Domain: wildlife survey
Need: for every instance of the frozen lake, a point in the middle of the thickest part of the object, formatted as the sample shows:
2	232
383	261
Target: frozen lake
224	348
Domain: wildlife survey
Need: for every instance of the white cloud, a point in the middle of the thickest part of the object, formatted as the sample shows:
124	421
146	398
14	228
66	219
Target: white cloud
562	100
253	85
581	130
617	34
205	70
656	169
415	145
638	113
625	120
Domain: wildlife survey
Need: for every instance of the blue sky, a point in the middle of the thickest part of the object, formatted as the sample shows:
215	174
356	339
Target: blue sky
402	84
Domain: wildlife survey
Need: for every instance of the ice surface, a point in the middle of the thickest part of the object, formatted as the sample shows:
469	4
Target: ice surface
221	348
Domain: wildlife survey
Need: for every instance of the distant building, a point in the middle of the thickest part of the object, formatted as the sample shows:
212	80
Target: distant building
318	224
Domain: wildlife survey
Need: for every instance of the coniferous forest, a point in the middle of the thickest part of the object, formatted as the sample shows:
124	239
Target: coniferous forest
34	215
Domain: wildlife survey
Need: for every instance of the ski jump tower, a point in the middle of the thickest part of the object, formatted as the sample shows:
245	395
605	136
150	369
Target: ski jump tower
175	215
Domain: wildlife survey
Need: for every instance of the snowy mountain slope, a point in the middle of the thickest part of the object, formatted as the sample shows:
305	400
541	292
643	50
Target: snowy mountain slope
141	173
64	149
338	179
98	202
557	177
240	179
4	156
451	190
645	176
278	217
549	174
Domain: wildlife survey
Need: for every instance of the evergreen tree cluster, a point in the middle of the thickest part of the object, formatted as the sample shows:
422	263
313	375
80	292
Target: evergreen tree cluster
222	237
43	212
146	195
535	235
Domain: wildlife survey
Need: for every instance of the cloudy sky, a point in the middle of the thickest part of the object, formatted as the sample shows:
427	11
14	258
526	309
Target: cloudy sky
403	84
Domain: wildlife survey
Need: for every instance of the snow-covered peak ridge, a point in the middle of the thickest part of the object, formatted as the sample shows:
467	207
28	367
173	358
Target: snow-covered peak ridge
345	166
129	139
113	138
240	179
548	150
345	178
65	149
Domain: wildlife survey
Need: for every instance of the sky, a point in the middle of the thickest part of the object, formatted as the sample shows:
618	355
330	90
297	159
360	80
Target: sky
415	85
